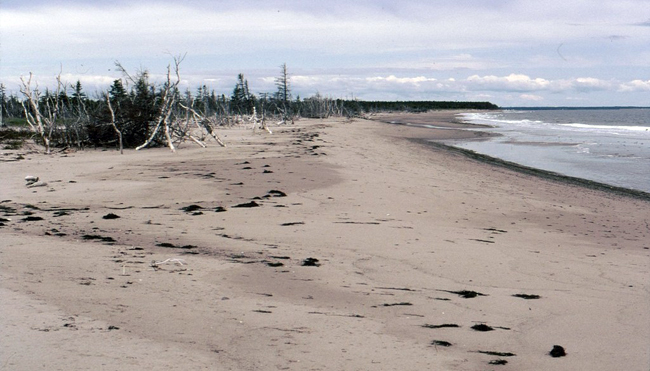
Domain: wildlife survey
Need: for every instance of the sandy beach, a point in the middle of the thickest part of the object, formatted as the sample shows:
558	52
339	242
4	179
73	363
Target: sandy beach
328	245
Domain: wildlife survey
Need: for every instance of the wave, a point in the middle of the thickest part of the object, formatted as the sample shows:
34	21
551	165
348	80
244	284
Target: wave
609	127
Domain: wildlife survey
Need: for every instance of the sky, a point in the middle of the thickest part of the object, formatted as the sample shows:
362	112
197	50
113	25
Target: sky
508	52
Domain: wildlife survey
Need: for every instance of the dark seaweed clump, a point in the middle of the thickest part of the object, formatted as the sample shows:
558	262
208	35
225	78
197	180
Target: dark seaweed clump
466	293
310	262
444	325
526	296
557	351
482	327
191	208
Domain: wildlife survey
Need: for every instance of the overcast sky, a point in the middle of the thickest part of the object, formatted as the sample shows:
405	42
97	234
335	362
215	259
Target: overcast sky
509	52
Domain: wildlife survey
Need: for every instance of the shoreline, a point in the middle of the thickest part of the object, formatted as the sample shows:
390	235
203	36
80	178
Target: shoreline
543	174
456	133
330	244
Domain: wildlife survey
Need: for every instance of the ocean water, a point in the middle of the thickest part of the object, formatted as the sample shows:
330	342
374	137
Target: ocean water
610	146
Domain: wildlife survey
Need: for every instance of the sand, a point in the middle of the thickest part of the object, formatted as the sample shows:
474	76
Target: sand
356	257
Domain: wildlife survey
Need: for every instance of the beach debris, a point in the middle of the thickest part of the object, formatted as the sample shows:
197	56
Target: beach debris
275	193
394	304
466	294
498	354
498	362
219	209
395	288
482	327
97	237
247	204
31	218
31	179
557	351
274	264
110	328
480	240
291	223
191	208
310	262
172	246
442	343
444	325
110	216
495	230
156	264
526	296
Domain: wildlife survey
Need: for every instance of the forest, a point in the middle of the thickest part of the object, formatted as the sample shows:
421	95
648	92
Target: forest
136	113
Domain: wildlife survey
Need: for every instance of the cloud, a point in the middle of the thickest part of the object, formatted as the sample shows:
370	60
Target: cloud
400	80
512	82
531	97
635	86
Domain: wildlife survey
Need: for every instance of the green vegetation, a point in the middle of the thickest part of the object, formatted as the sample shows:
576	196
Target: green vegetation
133	110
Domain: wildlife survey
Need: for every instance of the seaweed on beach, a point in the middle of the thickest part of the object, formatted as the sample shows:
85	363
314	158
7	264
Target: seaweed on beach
247	204
172	246
275	193
441	343
444	325
191	208
557	351
97	237
32	219
466	294
482	327
111	216
498	362
526	296
7	209
498	354
310	262
291	223
404	303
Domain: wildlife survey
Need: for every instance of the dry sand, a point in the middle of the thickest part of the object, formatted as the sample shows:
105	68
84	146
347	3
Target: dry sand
392	228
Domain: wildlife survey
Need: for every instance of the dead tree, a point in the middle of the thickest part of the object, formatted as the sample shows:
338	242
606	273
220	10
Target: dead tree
168	100
202	123
261	122
119	133
42	120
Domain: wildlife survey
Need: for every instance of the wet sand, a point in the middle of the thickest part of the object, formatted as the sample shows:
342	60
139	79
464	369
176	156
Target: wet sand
328	245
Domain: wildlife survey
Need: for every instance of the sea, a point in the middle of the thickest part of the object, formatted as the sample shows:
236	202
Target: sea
605	145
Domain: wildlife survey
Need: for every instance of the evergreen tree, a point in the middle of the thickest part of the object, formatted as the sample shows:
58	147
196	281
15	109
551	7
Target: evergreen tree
284	90
242	101
117	92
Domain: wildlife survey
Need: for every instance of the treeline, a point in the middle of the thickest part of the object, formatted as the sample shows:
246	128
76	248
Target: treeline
135	112
418	106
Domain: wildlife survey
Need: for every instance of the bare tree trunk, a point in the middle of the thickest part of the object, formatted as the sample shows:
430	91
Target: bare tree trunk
35	121
119	133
